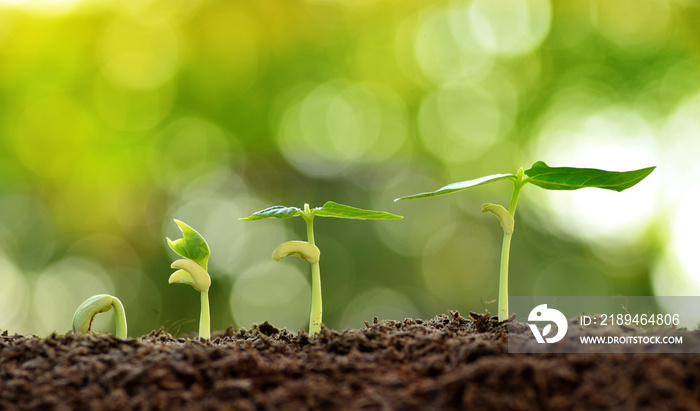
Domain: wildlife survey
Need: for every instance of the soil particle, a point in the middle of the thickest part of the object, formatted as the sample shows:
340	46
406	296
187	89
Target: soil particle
449	362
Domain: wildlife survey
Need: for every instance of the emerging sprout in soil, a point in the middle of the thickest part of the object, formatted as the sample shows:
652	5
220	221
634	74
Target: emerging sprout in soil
82	319
192	269
550	178
307	249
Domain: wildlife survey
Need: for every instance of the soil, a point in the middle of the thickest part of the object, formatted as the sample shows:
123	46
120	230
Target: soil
449	362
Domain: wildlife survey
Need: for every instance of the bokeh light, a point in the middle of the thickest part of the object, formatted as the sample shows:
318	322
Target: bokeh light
459	122
138	54
14	298
337	126
445	45
276	292
510	28
46	7
131	110
119	116
612	139
474	253
61	289
62	128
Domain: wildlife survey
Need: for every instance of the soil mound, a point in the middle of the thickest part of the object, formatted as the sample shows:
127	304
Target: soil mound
449	362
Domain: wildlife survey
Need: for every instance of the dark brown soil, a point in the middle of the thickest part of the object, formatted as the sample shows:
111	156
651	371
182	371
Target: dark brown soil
449	362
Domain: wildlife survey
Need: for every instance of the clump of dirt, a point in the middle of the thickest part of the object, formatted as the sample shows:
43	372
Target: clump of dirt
449	362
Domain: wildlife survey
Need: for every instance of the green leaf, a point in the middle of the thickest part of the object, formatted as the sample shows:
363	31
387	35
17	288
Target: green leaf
192	246
273	212
331	209
569	178
462	185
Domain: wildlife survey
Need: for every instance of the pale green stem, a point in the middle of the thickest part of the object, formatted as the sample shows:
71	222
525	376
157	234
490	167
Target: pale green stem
119	318
316	303
503	279
204	324
505	251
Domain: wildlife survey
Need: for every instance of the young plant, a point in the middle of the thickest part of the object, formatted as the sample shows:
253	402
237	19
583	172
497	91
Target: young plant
192	270
85	314
550	178
307	249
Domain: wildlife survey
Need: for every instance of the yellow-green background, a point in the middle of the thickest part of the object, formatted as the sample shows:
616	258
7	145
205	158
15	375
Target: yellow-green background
118	116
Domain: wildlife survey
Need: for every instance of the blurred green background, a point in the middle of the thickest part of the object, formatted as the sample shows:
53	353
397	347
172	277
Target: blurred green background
118	116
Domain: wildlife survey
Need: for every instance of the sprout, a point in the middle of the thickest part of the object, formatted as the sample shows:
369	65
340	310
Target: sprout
549	178
308	250
85	314
192	270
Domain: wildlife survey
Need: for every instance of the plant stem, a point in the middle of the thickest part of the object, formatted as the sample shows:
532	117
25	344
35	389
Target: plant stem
316	303
119	318
204	323
505	250
503	278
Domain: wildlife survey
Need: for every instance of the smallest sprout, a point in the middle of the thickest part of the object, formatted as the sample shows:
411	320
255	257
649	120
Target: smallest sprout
85	314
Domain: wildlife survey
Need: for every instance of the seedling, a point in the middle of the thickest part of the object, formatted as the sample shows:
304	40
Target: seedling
85	314
307	249
550	178
192	270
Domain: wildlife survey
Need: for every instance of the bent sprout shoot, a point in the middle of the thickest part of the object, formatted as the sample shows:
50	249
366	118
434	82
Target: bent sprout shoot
308	252
550	178
192	270
307	249
85	314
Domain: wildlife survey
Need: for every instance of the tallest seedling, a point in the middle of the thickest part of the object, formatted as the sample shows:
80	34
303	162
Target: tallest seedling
550	178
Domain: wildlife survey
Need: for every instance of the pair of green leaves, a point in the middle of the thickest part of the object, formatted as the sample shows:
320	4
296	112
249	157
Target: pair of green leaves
191	270
192	246
552	178
330	209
